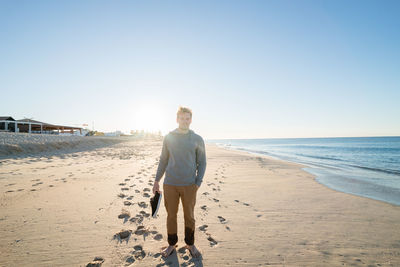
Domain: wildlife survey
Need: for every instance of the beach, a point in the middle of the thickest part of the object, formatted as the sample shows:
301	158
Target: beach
68	204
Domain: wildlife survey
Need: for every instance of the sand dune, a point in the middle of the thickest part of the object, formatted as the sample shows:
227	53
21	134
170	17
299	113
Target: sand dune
22	144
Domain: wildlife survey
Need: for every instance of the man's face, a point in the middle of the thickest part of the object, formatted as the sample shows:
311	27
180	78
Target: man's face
184	120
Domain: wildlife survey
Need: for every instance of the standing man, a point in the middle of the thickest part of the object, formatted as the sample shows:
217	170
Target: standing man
183	159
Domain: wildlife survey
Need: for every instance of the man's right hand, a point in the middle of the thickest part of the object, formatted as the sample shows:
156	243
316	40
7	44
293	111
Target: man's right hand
156	187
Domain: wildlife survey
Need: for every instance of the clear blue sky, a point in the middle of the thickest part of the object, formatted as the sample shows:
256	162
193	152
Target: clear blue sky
248	69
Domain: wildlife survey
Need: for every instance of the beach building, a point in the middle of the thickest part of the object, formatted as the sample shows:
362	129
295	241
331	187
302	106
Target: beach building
8	123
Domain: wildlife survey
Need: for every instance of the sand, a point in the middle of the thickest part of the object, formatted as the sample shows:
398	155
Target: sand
66	209
24	144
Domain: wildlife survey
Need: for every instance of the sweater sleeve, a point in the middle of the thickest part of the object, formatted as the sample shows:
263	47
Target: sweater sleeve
162	165
200	162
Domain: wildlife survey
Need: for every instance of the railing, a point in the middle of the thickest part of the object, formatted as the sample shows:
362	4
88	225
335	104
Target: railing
16	129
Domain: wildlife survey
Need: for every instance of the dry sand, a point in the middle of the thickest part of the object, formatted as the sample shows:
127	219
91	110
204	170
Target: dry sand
64	209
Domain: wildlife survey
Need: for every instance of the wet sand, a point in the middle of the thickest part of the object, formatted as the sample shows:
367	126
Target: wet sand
67	209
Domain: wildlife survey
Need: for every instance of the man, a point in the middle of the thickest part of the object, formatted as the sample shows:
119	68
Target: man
183	159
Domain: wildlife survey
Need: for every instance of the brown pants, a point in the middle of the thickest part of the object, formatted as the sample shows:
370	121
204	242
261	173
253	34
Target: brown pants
187	194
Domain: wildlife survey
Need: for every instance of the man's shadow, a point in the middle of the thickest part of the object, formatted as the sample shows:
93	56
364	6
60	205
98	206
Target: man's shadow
185	258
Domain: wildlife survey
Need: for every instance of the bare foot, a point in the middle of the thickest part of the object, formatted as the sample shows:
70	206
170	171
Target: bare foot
193	251
168	251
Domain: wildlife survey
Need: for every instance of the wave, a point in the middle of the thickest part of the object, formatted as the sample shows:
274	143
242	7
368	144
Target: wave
318	157
287	154
388	171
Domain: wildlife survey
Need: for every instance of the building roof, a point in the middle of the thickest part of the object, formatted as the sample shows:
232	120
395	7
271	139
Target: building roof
46	124
31	121
6	118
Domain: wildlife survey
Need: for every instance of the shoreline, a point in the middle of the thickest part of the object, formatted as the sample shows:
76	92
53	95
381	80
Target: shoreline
251	210
321	178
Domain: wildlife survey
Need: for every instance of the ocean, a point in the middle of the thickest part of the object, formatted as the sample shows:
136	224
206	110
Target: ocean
363	166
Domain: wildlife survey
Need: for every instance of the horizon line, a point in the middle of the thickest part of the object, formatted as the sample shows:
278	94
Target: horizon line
373	136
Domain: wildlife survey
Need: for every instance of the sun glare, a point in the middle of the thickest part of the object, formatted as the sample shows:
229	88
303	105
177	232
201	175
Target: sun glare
150	118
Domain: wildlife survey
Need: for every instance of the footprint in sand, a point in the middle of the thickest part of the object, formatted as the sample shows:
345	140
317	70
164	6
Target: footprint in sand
37	184
137	191
146	195
158	237
143	204
184	255
129	198
204	207
203	228
137	219
9	191
246	204
123	234
144	214
213	242
124	188
146	190
122	184
130	260
141	230
138	253
216	200
124	215
221	219
97	261
121	195
127	203
127	179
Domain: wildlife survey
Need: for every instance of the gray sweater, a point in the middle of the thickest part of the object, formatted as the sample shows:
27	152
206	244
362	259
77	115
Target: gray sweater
183	159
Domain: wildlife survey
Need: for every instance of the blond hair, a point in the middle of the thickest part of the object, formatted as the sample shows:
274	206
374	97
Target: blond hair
182	110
